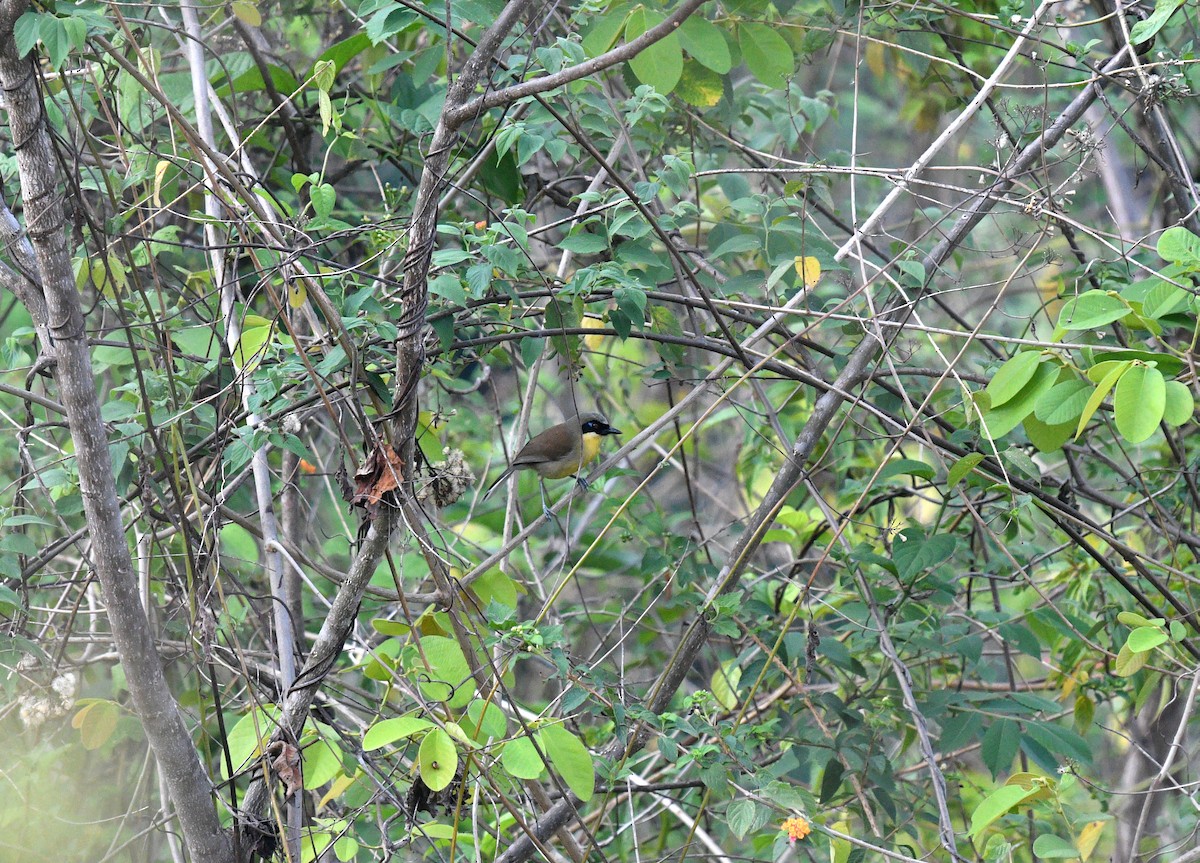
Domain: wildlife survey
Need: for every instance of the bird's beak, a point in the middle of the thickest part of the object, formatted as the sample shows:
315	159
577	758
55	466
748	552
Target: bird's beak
607	430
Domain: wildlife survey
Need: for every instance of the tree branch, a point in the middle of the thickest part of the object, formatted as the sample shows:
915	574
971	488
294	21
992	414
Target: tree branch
168	735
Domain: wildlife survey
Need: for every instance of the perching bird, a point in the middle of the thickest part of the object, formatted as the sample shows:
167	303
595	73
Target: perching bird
561	450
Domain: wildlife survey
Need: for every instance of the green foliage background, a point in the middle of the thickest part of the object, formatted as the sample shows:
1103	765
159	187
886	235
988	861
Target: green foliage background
990	556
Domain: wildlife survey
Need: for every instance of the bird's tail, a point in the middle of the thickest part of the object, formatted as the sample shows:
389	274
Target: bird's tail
507	473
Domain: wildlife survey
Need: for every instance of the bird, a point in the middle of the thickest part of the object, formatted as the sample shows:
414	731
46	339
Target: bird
560	451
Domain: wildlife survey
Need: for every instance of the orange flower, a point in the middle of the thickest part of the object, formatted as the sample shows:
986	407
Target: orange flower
795	828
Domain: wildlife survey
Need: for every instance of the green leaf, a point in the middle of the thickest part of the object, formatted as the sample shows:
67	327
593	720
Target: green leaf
706	43
1012	376
999	745
906	467
1144	31
54	36
1000	421
1063	403
660	64
962	467
768	56
1164	299
388	731
520	759
322	197
1047	438
745	816
1139	402
1133	619
25	31
1179	405
485	721
1090	310
1129	663
1145	638
253	343
603	33
1098	395
914	552
341	53
570	758
322	761
437	759
1177	245
444	674
1049	846
992	807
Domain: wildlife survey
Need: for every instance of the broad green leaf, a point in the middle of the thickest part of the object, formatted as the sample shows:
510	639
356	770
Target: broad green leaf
999	745
603	32
570	758
1097	397
1133	619
1147	29
698	86
520	759
1046	437
1168	364
745	816
962	467
1000	421
1139	402
992	807
388	731
706	43
906	467
323	197
245	740
1165	299
444	675
437	759
914	552
1129	663
768	56
1145	638
1179	404
1063	403
1179	246
1048	846
485	721
254	342
1090	310
1062	742
322	761
25	31
346	50
1012	376
660	64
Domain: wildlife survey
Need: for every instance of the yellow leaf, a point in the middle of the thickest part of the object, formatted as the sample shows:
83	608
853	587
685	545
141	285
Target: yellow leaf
809	269
1088	837
336	789
875	59
725	682
247	13
160	171
592	342
297	293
